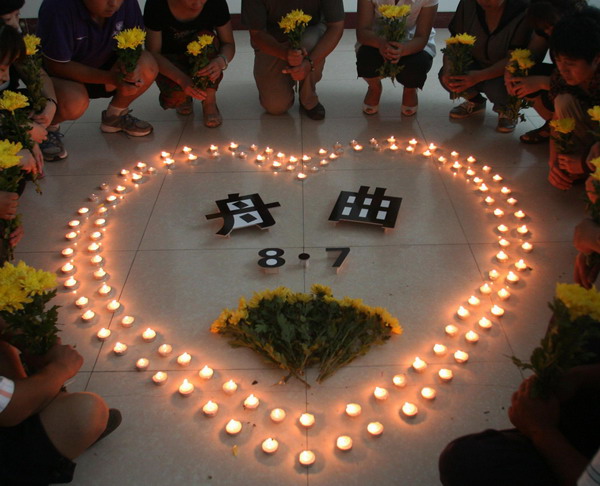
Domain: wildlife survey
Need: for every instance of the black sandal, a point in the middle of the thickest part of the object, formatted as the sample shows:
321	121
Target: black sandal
539	135
114	420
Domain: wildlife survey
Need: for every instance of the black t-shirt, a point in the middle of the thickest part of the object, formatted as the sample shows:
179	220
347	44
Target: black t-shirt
177	35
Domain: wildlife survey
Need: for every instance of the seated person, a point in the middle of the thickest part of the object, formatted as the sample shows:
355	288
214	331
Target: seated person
171	26
79	53
575	45
415	54
277	68
499	27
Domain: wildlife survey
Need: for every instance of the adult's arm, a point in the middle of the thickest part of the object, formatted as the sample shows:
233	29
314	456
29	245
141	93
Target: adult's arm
81	73
422	31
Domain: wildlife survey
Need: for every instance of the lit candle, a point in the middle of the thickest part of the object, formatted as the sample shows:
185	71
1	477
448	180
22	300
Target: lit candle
307	419
471	159
254	147
512	201
392	139
100	274
483	188
307	458
159	378
113	305
233	427
277	415
409	409
410	148
301	176
74	223
451	330
486	168
120	189
503	294
141	166
501	256
324	162
442	159
333	156
67	252
276	165
149	335
70	283
165	350
497	311
462	312
375	428
456	165
502	228
493	274
427	153
67	268
527	247
358	147
477	180
120	349
100	222
412	141
497	178
214	148
461	356
137	177
473	300
394	147
503	243
103	334
353	409
127	321
260	158
164	154
485	289
186	388
489	200
485	323
210	408
439	349
83	211
184	359
192	157
519	214
419	365
94	247
112	199
523	230
233	146
428	393
71	235
380	393
521	265
142	364
399	380
251	402
445	375
230	387
505	190
102	210
206	373
432	146
169	162
454	153
269	446
81	302
498	212
470	172
97	260
472	337
344	443
186	149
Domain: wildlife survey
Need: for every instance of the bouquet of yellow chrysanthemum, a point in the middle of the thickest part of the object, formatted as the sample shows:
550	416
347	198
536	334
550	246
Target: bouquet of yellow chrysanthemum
296	330
24	294
458	53
14	118
393	28
200	53
10	178
574	326
519	64
129	48
563	135
594	113
31	67
293	25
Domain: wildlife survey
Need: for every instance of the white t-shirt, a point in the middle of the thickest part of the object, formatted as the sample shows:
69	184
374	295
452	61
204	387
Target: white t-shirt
411	22
591	475
7	388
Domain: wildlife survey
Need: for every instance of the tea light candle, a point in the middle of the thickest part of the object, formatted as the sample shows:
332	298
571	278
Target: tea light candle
501	256
324	162
233	146
412	141
97	260
100	274
353	409
442	159
206	373
477	180
102	210
333	156
67	268
493	274
307	419
120	349
451	330
399	380
504	243
214	148
251	402
470	159
210	408
307	458
456	165
472	337
120	189
427	153
276	165
113	305
485	289
454	153
391	139
461	356
74	223
375	428
127	321
432	146
112	199
380	393
439	349
474	301
254	147
192	157
99	222
270	445
505	190
523	229
503	294
483	188
137	177
410	148
94	247
301	176
142	364
277	415
519	214
233	427
141	166
67	252
470	172
83	211
409	409
502	228
70	283
358	147
186	388
394	147
485	323
184	359
103	334
497	178
71	235
165	350
428	393
527	247
186	149
498	212
149	335
497	311
260	159
489	200
521	265
445	375
164	154
169	162
462	312
230	387
159	378
419	365
81	302
486	168
344	443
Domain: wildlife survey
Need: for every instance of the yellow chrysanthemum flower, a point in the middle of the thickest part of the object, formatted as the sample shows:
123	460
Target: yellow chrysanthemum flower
196	47
130	38
579	301
318	289
563	125
594	113
520	54
205	40
8	154
394	11
32	42
294	19
465	39
12	101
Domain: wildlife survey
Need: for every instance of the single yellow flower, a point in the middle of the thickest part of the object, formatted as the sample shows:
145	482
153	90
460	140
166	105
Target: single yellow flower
130	38
563	125
8	154
465	39
594	113
293	20
12	101
579	301
32	43
394	11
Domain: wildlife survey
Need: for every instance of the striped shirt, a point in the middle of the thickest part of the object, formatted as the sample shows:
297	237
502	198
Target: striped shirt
7	388
591	476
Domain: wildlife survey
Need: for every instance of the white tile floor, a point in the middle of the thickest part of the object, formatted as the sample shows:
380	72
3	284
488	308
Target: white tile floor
171	271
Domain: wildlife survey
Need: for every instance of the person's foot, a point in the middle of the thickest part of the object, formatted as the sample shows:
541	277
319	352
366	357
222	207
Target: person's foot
315	113
539	135
186	108
52	148
114	420
505	124
410	101
467	108
371	101
125	123
211	115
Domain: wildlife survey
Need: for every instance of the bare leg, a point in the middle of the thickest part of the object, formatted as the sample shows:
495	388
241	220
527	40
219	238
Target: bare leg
212	116
72	100
410	97
148	70
373	92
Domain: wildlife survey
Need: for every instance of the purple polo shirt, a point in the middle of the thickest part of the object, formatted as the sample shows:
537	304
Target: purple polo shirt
69	33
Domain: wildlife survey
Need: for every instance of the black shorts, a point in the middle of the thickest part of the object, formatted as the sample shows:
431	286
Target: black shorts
28	457
99	90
